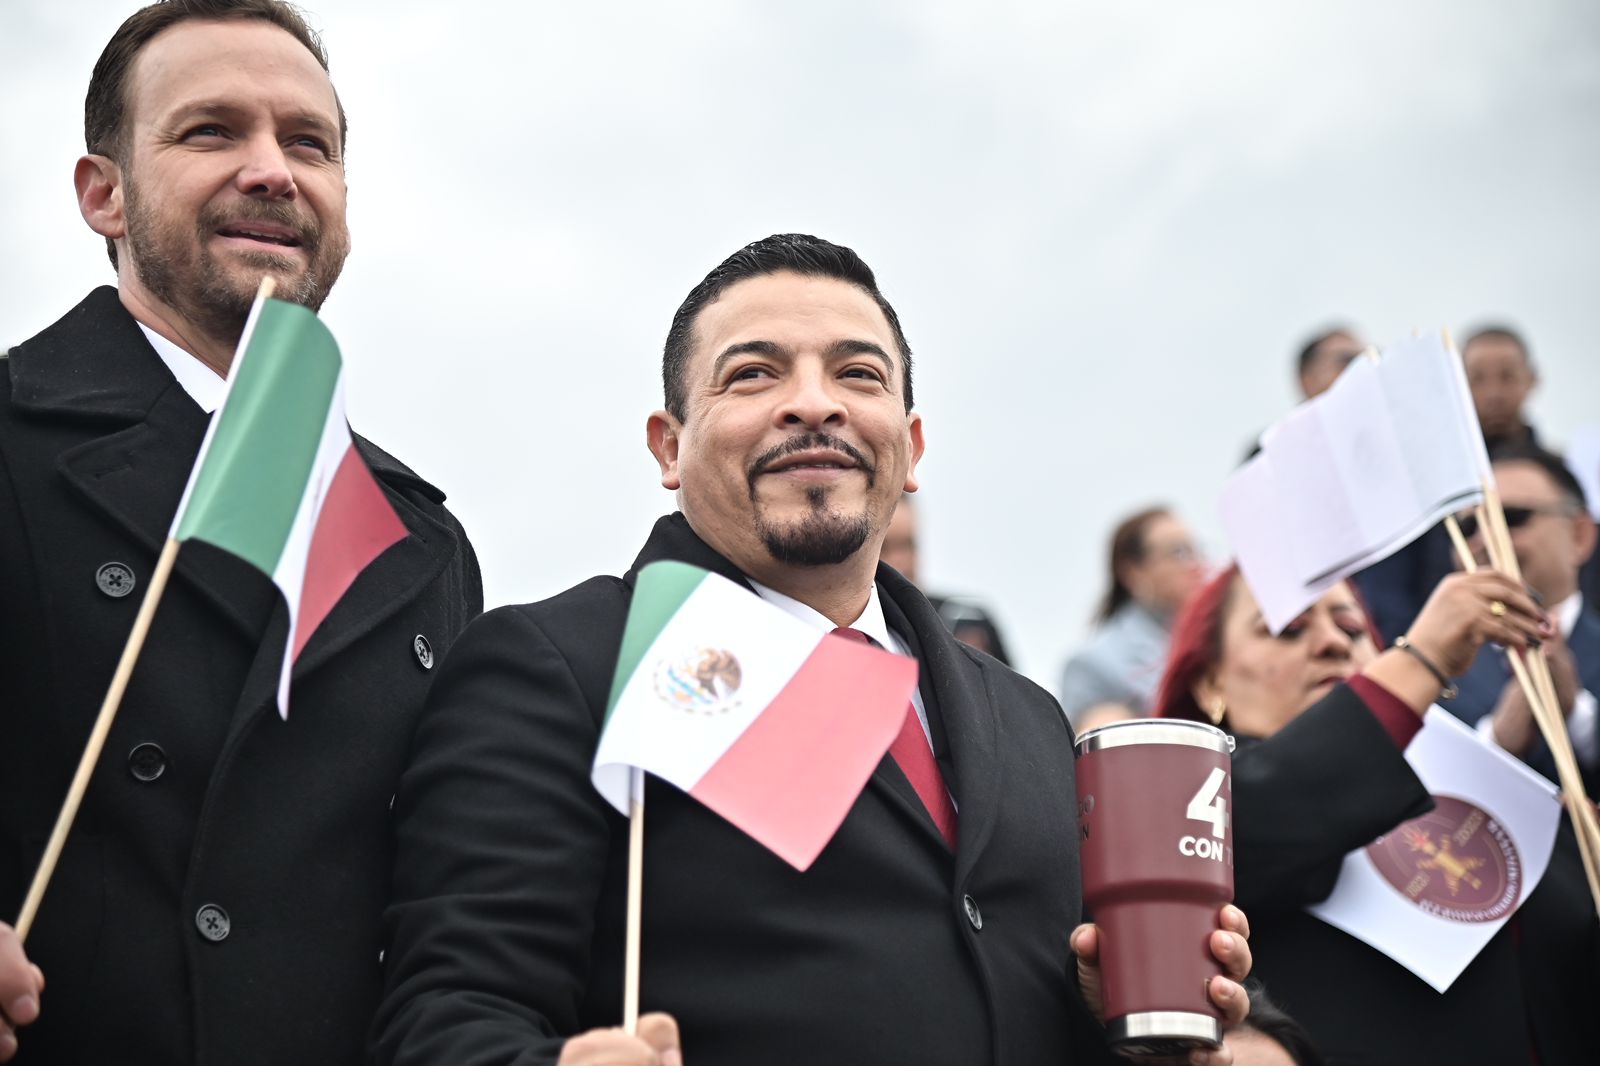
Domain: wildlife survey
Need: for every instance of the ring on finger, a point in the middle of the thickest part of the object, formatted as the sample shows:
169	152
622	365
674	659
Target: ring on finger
1497	608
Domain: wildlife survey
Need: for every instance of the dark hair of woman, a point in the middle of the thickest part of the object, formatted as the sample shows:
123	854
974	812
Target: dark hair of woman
1127	547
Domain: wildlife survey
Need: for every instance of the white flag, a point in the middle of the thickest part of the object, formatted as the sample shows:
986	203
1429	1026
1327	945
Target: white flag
1354	475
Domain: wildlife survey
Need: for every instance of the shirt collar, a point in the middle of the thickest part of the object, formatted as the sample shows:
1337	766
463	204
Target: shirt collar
871	622
198	380
1566	613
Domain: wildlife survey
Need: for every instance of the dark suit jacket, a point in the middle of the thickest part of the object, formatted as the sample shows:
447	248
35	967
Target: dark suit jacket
1481	685
203	796
506	926
1330	782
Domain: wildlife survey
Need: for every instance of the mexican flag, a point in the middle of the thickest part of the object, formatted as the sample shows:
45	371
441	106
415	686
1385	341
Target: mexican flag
772	723
278	481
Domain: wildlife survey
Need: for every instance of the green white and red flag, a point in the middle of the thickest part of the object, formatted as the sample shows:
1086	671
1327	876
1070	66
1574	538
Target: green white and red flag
772	723
279	482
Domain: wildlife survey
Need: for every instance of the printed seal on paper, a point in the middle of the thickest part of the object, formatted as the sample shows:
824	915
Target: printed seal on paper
1456	862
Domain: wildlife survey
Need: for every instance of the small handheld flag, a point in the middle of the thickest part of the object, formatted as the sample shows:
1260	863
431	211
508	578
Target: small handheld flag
773	724
278	481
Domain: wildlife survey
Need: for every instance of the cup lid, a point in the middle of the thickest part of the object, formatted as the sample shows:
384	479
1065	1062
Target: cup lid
1155	731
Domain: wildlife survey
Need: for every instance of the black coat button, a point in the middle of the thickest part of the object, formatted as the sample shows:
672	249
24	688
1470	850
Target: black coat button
424	651
213	923
147	762
115	580
974	915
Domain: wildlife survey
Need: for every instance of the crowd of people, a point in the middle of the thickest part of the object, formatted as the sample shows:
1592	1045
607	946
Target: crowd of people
415	867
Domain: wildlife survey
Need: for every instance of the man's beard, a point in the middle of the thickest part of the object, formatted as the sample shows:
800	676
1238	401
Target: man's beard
824	537
192	281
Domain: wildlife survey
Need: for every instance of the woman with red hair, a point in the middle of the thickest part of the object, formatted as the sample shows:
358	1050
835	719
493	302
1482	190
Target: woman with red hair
1322	715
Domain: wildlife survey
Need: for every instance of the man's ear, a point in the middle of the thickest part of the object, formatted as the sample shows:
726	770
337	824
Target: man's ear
1583	537
914	426
661	434
98	180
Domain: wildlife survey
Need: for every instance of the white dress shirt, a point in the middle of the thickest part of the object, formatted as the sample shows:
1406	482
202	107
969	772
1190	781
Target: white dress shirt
871	622
204	385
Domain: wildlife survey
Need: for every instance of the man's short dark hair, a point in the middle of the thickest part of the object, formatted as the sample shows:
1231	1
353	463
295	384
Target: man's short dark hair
798	253
1499	332
1553	465
106	106
1309	351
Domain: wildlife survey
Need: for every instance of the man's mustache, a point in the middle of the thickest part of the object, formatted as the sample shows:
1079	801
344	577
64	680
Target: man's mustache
809	442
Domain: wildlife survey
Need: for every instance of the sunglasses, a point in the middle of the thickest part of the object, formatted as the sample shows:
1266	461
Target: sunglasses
1516	517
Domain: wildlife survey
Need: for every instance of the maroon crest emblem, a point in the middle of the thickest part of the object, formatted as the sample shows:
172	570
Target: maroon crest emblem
1454	862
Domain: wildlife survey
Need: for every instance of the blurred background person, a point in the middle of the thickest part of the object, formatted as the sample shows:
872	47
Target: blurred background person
1323	358
1553	535
1583	459
1103	714
1153	567
966	618
1269	1037
1501	376
1322	716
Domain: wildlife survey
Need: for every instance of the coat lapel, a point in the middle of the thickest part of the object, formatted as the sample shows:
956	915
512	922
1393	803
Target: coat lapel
95	364
955	691
394	579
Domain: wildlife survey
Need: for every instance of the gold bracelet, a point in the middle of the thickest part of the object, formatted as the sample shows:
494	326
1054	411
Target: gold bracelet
1450	691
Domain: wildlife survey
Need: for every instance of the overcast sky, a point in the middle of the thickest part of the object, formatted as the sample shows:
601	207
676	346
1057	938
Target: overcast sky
1106	229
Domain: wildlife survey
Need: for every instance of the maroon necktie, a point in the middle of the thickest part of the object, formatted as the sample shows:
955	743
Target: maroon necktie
915	756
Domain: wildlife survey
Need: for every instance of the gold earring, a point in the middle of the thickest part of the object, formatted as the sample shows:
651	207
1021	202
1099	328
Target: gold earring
1219	707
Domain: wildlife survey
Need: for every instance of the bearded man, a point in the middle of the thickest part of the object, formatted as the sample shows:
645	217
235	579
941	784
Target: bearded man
218	899
934	928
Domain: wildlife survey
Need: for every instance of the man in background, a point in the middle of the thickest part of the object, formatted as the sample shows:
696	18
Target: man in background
1553	535
1501	376
968	620
1323	358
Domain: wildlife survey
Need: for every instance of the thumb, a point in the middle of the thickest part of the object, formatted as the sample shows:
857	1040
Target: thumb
660	1031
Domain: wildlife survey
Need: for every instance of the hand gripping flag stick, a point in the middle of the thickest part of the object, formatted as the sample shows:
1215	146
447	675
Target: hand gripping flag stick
1538	688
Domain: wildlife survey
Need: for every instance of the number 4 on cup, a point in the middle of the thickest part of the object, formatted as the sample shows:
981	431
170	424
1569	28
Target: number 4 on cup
1209	807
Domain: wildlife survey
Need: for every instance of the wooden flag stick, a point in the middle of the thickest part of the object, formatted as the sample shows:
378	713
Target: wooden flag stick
1542	703
97	738
630	978
1538	664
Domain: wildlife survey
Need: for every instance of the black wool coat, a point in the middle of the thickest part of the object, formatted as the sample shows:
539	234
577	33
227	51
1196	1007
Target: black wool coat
506	927
219	900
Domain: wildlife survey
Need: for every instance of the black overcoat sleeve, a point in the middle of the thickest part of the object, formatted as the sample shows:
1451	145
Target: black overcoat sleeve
1329	782
501	852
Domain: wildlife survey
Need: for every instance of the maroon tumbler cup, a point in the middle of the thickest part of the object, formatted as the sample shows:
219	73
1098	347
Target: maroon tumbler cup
1154	803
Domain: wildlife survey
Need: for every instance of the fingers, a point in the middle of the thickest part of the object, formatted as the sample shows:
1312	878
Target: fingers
1085	942
660	1031
20	985
613	1047
1234	920
1230	998
1233	952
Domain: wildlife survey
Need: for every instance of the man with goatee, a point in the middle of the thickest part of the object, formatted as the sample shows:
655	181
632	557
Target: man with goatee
939	924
